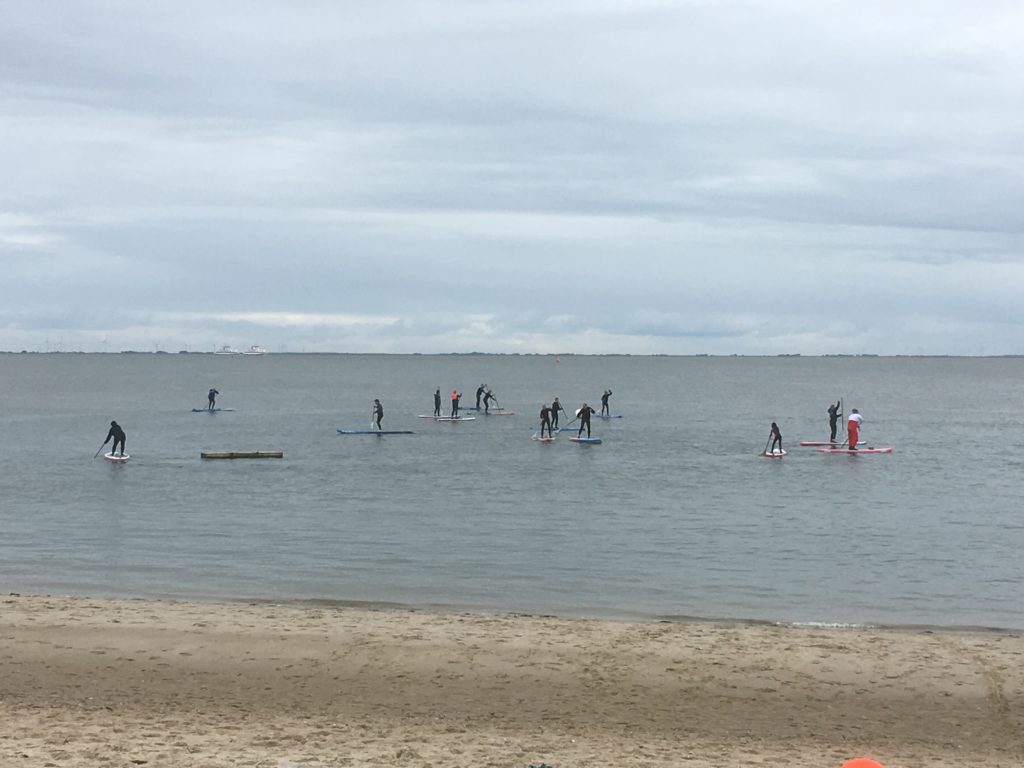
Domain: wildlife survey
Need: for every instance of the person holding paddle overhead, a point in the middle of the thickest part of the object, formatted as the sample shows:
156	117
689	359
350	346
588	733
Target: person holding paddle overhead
584	414
378	413
776	438
211	398
853	429
117	434
545	420
833	419
605	410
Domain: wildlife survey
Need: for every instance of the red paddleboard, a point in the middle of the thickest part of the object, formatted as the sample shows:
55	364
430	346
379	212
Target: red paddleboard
827	444
855	451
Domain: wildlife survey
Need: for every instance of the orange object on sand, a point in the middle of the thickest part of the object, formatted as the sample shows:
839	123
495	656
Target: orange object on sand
861	762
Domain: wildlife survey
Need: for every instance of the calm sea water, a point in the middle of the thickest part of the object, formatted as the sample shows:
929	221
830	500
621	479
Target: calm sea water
674	515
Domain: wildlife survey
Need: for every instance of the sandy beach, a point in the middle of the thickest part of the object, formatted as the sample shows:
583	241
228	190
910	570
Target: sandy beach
86	682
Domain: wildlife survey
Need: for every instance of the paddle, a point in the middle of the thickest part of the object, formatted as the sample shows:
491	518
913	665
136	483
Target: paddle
99	449
560	427
766	444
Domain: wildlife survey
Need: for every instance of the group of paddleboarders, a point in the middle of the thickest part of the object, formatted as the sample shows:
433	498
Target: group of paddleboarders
549	415
486	396
834	413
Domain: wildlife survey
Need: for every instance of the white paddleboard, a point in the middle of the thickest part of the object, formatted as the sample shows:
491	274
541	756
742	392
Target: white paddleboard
115	458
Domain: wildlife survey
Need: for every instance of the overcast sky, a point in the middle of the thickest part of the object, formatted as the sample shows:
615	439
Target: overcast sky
603	176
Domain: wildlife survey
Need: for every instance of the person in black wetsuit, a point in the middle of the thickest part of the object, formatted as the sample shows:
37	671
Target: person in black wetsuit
605	411
479	393
555	408
545	420
378	412
488	396
211	398
776	436
437	402
833	419
584	416
117	434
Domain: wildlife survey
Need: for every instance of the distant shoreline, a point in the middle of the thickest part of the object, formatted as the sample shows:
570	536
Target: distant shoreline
528	354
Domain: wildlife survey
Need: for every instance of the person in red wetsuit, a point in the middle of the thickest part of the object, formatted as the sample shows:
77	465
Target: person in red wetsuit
853	429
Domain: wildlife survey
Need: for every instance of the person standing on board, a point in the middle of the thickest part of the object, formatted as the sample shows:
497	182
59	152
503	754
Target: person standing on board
833	419
378	413
488	396
605	410
437	402
455	403
211	398
776	437
117	434
555	408
545	420
853	429
583	414
479	393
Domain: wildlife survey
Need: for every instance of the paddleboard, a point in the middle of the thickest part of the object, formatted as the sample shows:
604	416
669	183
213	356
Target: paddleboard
116	459
613	416
499	413
587	440
375	432
448	418
827	444
855	451
773	454
544	439
210	410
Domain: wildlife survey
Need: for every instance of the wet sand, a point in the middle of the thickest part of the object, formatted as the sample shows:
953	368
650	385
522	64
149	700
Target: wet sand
86	682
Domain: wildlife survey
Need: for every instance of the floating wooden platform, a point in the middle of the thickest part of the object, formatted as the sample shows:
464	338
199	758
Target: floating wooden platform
242	454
